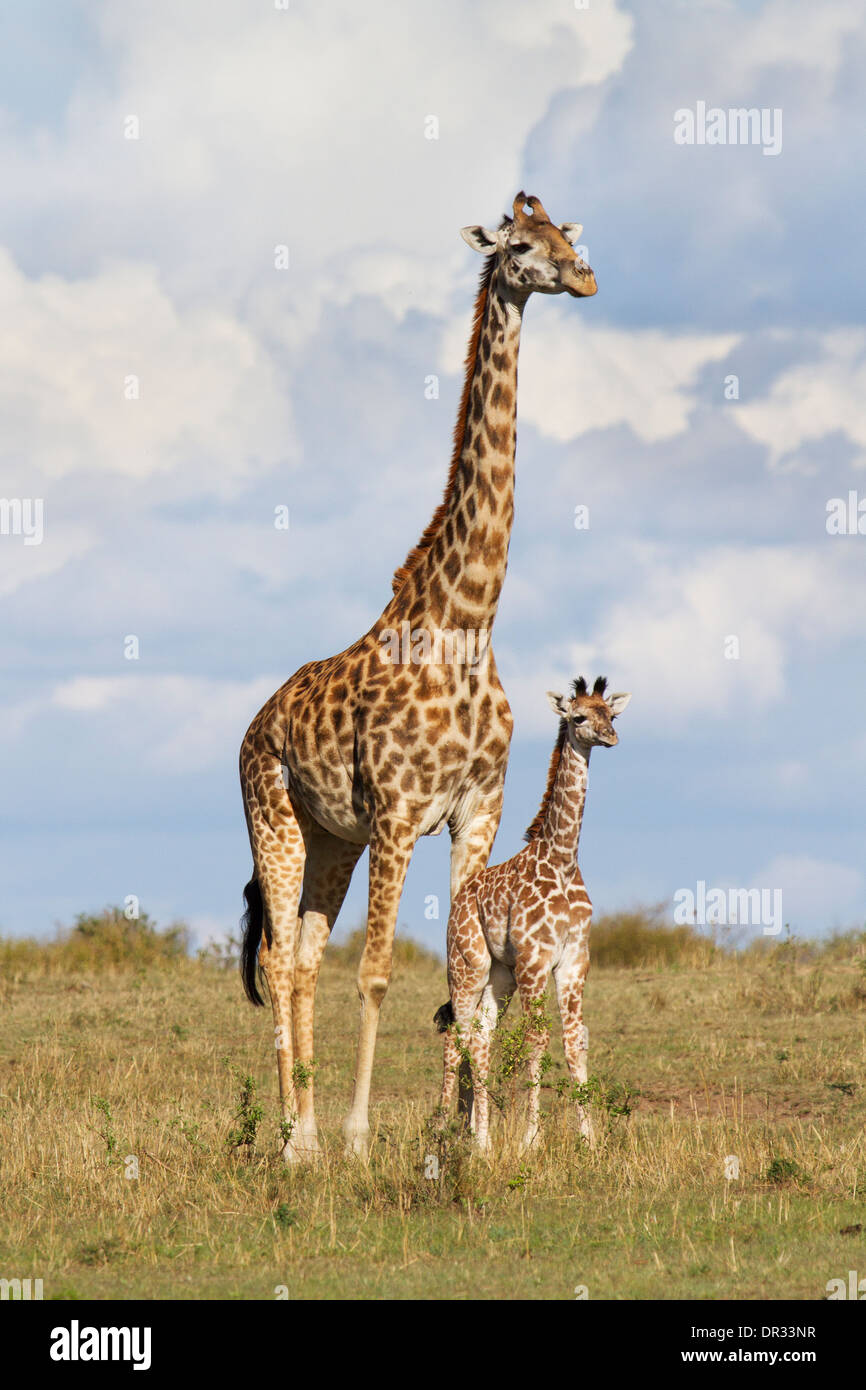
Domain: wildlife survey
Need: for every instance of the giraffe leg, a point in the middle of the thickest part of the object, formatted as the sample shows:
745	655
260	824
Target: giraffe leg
391	845
468	984
493	1003
450	1069
531	983
570	976
470	850
471	844
327	873
469	963
278	855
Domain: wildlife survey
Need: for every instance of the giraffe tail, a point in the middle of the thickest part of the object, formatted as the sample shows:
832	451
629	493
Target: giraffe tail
251	924
444	1017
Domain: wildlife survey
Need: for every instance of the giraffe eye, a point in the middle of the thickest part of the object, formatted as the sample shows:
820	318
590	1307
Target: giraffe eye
519	247
579	719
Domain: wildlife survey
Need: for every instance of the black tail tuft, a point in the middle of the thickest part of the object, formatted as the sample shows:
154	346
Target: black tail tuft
251	924
444	1017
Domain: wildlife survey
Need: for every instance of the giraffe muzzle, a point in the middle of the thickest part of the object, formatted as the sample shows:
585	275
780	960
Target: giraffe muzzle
579	282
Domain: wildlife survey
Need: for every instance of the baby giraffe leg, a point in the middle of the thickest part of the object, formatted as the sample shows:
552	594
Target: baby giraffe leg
461	1051
531	984
469	965
494	1002
451	1067
570	977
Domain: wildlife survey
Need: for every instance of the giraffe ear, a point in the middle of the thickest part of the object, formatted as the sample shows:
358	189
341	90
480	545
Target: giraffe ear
480	239
557	704
617	703
571	231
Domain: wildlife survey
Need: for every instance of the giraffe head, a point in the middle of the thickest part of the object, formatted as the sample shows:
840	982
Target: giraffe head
532	254
589	714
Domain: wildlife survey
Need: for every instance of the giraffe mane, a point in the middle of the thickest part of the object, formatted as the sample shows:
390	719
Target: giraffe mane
533	831
417	553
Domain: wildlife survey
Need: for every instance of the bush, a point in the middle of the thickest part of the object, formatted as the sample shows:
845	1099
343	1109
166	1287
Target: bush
98	941
641	937
406	950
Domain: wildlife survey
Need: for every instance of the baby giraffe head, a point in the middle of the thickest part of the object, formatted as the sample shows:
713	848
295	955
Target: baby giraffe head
532	254
589	714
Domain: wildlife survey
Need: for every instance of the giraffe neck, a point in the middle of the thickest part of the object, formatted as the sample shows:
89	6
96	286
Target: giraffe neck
461	559
561	829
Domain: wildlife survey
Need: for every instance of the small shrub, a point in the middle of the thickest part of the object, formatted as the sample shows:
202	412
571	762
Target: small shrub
785	1170
285	1216
107	1131
249	1113
643	937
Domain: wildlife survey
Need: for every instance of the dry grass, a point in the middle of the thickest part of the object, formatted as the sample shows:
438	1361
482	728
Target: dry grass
761	1056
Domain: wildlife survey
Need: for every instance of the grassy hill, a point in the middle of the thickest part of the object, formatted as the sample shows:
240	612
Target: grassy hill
120	1054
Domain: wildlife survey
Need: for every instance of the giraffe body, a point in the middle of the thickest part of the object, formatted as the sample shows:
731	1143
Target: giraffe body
514	924
372	747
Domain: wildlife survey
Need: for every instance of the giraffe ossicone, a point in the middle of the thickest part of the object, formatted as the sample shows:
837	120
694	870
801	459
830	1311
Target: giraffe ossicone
514	924
355	751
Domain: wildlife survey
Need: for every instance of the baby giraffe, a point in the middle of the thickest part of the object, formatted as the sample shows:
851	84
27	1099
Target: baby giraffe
512	923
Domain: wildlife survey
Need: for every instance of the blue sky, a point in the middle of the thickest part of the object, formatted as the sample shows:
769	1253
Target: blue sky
154	258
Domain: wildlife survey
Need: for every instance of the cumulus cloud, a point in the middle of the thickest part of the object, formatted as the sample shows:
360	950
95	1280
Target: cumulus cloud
154	257
308	127
666	639
185	724
24	564
573	380
107	375
812	400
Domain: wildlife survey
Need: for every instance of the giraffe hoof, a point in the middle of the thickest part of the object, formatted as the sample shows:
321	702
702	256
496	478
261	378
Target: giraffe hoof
301	1153
357	1141
302	1147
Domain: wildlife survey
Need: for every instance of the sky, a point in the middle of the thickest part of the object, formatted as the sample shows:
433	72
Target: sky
168	381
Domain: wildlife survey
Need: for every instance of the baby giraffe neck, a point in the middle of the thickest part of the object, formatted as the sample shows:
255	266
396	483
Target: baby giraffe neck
565	814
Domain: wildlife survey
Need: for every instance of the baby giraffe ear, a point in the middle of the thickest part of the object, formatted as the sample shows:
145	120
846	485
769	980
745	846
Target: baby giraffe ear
571	231
617	703
480	239
557	704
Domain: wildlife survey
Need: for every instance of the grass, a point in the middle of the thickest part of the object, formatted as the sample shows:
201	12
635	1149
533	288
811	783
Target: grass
140	1131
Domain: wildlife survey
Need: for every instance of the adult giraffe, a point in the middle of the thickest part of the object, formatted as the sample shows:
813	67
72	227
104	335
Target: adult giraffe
363	749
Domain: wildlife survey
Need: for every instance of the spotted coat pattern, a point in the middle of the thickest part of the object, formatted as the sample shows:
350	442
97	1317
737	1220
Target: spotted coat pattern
357	750
514	923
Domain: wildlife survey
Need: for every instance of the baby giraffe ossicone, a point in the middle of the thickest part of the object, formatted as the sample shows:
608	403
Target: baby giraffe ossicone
513	923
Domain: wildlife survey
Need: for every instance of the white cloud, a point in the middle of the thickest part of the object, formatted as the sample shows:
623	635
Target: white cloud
576	377
23	564
816	893
210	405
798	33
185	723
813	399
307	126
665	638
